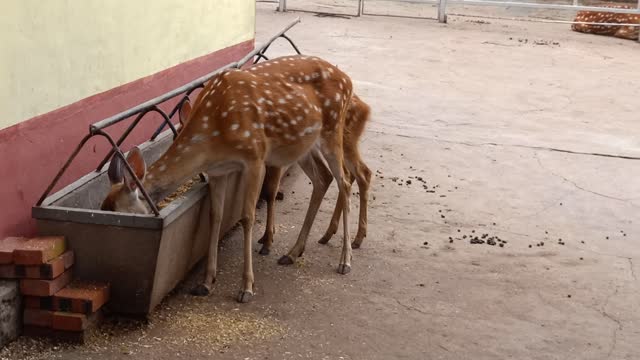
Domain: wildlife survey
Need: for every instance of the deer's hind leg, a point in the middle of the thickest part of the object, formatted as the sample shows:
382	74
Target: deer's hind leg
320	177
333	153
363	178
251	177
358	171
272	182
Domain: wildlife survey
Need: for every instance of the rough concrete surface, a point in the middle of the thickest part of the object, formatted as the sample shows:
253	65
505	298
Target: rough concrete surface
518	131
10	311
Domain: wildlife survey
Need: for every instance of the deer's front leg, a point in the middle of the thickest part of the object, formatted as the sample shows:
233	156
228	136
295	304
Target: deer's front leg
252	177
217	190
272	182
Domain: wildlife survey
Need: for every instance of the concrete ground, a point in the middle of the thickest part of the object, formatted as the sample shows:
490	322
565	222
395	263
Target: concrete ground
519	131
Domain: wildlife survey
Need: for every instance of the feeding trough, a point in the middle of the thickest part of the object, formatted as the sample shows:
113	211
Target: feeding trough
143	256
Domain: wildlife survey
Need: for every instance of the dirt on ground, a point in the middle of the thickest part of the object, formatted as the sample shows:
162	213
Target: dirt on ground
503	210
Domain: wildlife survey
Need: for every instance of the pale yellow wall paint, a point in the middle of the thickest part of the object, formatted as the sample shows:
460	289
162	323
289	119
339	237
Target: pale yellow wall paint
56	52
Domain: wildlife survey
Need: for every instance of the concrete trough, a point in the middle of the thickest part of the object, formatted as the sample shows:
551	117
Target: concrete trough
143	256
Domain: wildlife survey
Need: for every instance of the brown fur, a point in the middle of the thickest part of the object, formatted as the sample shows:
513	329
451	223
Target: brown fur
623	32
287	110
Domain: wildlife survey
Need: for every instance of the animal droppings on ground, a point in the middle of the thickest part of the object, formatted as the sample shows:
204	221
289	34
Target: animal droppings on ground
482	239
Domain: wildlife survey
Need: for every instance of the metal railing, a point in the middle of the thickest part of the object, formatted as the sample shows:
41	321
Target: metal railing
442	9
98	128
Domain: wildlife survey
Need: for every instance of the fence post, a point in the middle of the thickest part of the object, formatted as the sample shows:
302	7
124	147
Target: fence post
282	5
360	3
442	11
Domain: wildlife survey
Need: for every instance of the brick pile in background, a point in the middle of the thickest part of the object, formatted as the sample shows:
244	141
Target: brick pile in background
55	305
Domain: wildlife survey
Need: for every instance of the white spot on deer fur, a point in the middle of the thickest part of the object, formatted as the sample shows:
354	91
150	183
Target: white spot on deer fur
241	82
269	102
150	176
224	114
246	133
205	118
306	111
267	92
337	96
327	103
208	104
162	167
205	125
234	126
291	79
288	96
282	101
260	101
215	133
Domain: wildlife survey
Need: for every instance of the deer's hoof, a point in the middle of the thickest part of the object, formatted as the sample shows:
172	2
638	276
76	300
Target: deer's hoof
325	239
200	290
264	251
285	260
244	296
261	241
356	245
344	269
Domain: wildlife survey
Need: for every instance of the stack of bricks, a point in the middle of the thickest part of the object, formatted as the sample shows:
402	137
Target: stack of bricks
55	305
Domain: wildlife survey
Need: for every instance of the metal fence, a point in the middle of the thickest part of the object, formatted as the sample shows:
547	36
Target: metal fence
361	9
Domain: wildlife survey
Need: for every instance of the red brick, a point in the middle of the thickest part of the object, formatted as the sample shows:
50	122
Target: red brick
38	317
38	302
52	269
83	297
8	271
74	322
7	246
41	287
39	250
78	337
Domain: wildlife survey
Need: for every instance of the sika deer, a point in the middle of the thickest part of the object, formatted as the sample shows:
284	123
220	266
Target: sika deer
287	110
624	32
356	169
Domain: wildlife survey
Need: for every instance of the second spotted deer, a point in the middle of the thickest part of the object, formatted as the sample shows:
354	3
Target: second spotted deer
287	110
593	18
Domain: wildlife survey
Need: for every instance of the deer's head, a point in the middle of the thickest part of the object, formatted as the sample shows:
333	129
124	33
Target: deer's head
124	195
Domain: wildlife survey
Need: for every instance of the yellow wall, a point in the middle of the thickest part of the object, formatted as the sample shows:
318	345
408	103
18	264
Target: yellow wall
56	52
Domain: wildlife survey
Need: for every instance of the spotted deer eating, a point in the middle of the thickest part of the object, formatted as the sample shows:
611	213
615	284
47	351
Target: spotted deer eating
283	111
620	31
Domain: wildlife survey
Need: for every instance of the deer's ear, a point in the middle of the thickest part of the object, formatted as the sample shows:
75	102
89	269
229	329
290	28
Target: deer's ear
115	173
138	165
185	111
